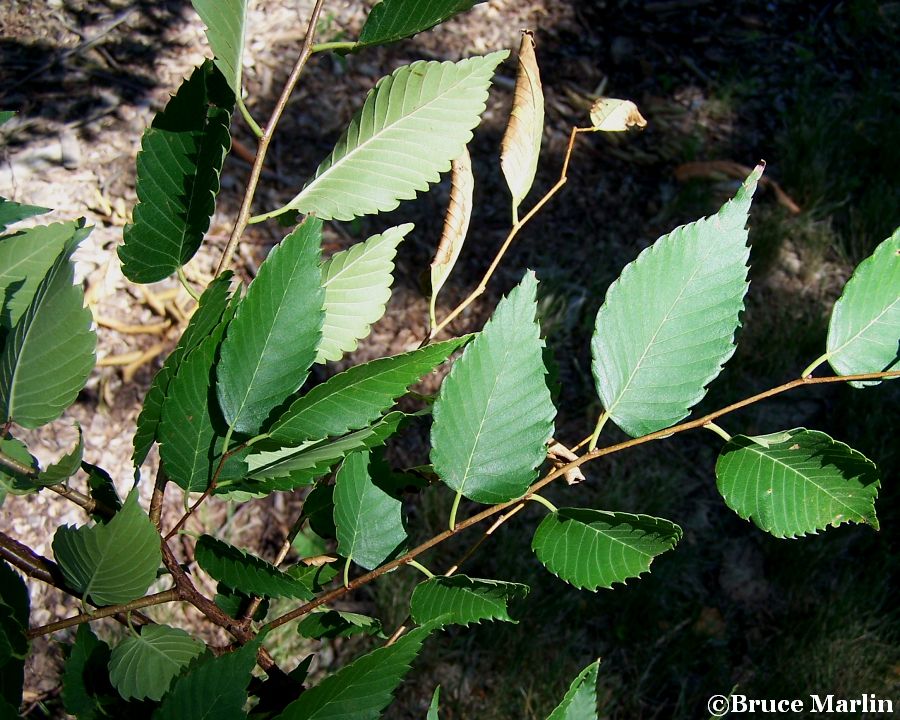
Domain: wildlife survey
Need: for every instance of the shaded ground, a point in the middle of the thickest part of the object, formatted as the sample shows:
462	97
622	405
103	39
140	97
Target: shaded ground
812	88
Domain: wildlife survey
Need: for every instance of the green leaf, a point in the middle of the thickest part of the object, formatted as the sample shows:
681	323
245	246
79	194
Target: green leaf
318	508
225	21
211	311
15	609
410	128
362	689
313	577
435	705
215	688
66	466
494	416
49	353
85	683
369	522
461	600
234	603
272	340
13	212
358	396
332	624
112	563
102	489
797	482
392	20
667	325
301	465
247	573
357	285
13	482
580	701
593	548
143	666
178	170
6	115
864	332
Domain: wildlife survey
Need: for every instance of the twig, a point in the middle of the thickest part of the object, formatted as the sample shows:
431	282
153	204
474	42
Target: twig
148	601
553	475
266	138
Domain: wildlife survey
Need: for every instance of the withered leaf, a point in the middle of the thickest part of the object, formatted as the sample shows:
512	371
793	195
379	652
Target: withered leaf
614	115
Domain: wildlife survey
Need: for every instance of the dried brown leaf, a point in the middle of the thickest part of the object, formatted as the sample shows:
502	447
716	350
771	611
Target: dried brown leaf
615	115
522	140
456	225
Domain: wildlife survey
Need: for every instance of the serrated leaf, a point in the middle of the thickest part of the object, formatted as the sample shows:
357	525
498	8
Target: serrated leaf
240	570
13	212
797	482
49	353
301	465
357	286
461	600
225	21
392	20
102	489
234	603
456	225
178	170
434	706
864	331
333	623
85	682
210	312
494	416
615	115
66	466
318	509
667	325
369	522
213	689
15	609
112	563
13	482
593	548
313	577
358	396
521	146
272	340
580	701
412	125
362	689
143	666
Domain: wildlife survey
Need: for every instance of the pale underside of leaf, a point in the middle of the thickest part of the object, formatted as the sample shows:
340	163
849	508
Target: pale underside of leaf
225	21
144	666
864	331
592	548
456	225
797	482
667	325
357	285
410	128
580	701
12	212
521	146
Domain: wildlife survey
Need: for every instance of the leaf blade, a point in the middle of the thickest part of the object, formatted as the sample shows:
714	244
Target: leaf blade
143	666
225	21
580	701
462	600
392	20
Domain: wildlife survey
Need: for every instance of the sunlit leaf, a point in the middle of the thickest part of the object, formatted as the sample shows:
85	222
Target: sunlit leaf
143	666
357	286
272	340
797	482
580	701
111	563
66	466
864	332
521	146
392	20
593	548
461	600
13	212
614	115
411	126
435	705
494	415
667	325
178	171
225	21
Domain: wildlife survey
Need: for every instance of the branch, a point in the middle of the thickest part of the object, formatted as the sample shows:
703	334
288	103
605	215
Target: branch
266	138
155	599
553	475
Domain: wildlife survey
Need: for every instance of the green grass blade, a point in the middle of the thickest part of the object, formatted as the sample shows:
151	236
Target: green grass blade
667	325
592	548
494	415
358	396
112	563
178	171
272	340
392	20
225	21
580	701
412	125
143	666
864	331
461	600
797	482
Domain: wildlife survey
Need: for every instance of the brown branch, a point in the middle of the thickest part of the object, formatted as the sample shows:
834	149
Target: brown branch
553	475
268	133
147	601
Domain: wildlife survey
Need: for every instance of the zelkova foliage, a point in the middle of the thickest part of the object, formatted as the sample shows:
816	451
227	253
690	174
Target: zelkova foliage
235	414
